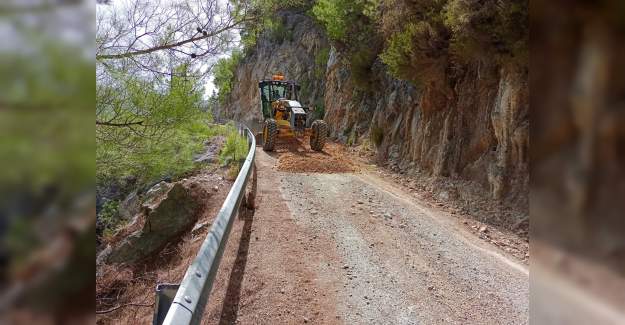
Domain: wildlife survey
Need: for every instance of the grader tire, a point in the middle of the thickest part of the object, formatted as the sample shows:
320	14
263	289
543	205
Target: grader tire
270	132
319	134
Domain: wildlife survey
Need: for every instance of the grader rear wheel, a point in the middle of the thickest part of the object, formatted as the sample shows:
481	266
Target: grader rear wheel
270	132
318	135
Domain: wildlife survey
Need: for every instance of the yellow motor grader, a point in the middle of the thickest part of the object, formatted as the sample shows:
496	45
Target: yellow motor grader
284	117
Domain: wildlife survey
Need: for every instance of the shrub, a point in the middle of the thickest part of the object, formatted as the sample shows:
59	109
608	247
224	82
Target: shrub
334	16
353	137
278	31
233	171
265	11
341	18
235	148
376	135
361	61
109	217
487	30
321	61
416	53
320	111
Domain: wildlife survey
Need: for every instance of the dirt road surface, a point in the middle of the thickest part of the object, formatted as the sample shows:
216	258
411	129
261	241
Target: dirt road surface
352	248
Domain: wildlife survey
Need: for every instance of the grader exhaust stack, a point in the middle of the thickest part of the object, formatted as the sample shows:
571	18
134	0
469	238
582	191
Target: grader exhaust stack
285	117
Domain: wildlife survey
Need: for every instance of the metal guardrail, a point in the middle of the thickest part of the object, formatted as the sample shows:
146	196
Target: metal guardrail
186	304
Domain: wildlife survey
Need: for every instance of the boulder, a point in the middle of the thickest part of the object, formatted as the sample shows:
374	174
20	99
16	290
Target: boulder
164	221
130	206
156	191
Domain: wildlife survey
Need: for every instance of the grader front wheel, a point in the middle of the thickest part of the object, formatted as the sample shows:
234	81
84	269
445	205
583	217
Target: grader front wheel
270	132
318	135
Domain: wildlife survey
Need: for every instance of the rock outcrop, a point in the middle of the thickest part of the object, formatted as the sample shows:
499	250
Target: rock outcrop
474	127
293	53
163	219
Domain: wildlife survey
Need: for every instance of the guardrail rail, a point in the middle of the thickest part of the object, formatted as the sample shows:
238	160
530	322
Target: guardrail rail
184	304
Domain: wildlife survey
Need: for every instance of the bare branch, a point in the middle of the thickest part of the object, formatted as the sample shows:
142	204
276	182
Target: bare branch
125	124
169	46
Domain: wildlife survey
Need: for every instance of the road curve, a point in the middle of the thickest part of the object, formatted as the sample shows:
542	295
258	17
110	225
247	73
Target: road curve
355	249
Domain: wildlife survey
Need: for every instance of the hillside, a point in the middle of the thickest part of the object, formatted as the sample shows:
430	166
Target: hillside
465	122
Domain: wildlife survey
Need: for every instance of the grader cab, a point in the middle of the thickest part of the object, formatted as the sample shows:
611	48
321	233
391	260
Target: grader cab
284	117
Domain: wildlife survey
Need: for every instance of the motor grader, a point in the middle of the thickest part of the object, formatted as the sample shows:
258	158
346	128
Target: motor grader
284	117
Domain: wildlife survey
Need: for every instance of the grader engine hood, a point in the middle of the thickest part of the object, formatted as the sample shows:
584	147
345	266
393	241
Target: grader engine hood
298	115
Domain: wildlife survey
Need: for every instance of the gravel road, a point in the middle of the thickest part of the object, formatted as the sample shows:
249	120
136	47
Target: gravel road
352	248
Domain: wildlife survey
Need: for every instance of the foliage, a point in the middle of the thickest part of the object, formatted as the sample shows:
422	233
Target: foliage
321	60
376	135
235	148
488	30
418	40
361	60
233	170
223	72
341	17
357	19
416	53
171	156
425	37
265	12
398	53
319	111
46	138
180	128
278	31
335	16
109	217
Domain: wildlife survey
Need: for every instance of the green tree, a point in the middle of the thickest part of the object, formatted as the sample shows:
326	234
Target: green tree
173	127
224	71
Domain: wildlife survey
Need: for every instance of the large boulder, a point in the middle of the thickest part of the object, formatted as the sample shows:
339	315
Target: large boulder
164	221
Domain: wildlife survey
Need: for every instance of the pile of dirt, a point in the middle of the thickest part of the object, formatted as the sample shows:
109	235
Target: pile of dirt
296	156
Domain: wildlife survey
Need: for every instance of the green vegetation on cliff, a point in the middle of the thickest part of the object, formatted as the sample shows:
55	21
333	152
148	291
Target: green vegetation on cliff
351	25
223	72
419	40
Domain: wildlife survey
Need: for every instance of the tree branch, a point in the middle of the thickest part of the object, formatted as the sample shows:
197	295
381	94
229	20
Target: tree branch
118	124
120	306
167	46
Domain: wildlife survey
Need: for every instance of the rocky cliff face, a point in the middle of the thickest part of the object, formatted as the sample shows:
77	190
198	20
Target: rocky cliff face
292	52
475	127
